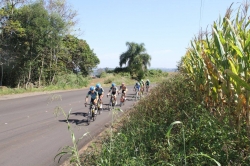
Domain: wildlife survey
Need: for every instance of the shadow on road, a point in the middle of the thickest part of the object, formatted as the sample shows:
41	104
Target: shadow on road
80	113
76	121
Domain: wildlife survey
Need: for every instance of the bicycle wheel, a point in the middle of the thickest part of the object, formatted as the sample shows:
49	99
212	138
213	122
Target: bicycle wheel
99	111
88	118
93	115
136	95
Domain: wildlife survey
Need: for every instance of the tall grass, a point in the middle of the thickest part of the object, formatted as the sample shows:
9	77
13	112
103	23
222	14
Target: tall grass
67	81
144	138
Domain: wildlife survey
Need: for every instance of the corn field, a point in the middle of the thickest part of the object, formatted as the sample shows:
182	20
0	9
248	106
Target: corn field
218	65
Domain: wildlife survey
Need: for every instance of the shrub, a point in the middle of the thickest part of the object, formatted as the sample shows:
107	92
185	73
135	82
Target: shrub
140	75
108	81
103	75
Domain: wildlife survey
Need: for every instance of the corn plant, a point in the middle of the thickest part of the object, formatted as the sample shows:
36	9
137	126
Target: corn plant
72	150
219	65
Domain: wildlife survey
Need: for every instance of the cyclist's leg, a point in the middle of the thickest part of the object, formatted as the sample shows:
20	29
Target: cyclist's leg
90	106
114	93
100	100
101	96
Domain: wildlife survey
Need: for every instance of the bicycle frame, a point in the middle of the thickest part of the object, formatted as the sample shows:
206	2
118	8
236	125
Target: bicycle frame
137	93
122	100
99	106
112	102
91	113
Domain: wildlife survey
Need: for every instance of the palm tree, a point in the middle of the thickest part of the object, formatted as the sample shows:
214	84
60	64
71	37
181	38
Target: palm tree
135	57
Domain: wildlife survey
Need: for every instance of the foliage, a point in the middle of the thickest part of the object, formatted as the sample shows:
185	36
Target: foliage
35	45
79	55
135	58
218	66
103	75
140	75
72	150
121	69
145	139
108	81
155	73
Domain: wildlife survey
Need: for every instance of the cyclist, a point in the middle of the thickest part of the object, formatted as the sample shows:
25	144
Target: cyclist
100	91
124	90
137	87
93	94
114	90
147	83
142	85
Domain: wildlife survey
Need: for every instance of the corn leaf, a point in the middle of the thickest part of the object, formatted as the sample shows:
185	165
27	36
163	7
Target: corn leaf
237	79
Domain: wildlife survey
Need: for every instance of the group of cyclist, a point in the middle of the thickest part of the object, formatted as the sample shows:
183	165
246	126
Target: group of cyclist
140	86
97	92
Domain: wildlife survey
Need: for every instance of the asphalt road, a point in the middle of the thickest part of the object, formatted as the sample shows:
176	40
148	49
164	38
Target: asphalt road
30	133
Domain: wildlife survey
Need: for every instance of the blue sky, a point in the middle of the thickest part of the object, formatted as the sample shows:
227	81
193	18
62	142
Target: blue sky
166	27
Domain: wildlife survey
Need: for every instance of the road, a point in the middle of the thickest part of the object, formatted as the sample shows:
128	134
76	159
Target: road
30	133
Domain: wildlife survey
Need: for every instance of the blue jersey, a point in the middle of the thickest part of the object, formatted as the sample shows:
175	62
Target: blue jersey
137	87
99	90
93	95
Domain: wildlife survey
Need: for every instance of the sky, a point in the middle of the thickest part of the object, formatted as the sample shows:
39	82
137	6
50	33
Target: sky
166	27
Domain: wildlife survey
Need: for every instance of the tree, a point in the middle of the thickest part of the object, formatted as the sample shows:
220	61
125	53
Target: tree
77	54
35	45
135	58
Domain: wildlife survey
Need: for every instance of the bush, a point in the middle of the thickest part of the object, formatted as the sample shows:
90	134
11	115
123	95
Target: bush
140	75
124	74
156	73
103	75
108	81
71	81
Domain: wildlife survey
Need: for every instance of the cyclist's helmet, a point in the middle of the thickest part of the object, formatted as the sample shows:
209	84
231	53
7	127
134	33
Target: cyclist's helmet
92	88
123	83
137	83
98	85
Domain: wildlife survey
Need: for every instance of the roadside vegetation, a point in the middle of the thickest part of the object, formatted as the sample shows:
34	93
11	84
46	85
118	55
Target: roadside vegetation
77	81
171	126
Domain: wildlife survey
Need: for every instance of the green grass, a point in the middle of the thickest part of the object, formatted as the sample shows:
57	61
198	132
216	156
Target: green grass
72	81
150	135
65	82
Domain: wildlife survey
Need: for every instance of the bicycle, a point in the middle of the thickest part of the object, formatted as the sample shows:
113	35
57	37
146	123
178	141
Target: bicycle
122	100
147	87
91	113
137	94
142	90
99	109
112	102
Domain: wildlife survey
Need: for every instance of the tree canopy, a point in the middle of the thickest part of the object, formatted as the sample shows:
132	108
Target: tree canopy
36	45
136	59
